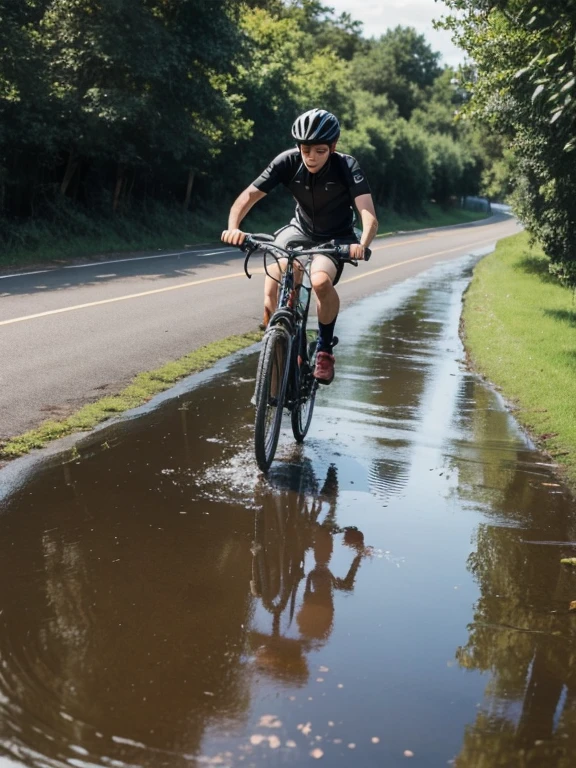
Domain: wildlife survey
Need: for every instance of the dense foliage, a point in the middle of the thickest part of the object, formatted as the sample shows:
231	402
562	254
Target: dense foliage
525	86
112	107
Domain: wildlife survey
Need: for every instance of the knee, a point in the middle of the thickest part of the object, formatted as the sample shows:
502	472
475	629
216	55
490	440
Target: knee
321	283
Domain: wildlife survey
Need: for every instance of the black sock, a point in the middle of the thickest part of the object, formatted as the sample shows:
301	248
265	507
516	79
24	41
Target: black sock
325	336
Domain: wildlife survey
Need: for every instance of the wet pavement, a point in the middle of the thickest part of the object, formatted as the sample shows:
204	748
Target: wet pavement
391	594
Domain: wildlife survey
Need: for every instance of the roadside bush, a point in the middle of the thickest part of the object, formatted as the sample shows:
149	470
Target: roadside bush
410	169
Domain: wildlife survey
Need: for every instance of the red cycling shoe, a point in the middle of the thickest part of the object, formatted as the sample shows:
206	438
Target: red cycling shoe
324	370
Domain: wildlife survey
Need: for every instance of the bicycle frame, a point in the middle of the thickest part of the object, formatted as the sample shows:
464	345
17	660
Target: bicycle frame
292	311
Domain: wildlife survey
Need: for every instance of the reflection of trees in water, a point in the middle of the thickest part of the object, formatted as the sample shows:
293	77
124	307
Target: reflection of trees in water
120	613
487	458
396	359
296	516
529	715
397	353
526	648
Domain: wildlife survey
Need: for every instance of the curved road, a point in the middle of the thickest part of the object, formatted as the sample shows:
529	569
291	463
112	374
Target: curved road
73	334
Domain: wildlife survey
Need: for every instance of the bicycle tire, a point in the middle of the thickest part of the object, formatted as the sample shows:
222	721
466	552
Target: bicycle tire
273	371
256	396
301	415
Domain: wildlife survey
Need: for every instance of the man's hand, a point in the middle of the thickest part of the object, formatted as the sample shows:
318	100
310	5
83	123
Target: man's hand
357	251
233	236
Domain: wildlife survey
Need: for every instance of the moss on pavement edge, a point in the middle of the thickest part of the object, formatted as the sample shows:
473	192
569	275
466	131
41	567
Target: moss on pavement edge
141	389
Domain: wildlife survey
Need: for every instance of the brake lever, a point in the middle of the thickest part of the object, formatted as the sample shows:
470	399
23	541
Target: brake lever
248	275
248	246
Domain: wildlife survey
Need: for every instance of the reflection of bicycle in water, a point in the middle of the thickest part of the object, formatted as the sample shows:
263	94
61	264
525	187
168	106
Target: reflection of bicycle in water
296	519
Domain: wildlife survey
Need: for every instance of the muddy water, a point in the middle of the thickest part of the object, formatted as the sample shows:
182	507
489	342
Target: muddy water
392	593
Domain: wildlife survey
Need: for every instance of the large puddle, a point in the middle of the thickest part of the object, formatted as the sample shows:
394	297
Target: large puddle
391	593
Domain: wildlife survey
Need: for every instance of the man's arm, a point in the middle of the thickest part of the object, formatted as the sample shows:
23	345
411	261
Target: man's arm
365	207
347	583
240	208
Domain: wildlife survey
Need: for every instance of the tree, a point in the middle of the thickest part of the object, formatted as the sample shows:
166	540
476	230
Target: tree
340	35
400	65
410	169
108	107
138	82
525	86
26	117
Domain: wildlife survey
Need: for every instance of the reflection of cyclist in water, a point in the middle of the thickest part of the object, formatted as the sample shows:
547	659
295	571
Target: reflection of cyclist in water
289	523
316	615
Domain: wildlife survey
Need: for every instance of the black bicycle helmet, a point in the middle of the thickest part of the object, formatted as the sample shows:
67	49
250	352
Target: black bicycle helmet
316	127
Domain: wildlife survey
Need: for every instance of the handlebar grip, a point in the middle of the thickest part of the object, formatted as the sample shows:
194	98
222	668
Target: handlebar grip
345	253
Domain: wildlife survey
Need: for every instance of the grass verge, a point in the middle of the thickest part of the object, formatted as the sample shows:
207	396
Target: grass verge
142	388
520	332
72	235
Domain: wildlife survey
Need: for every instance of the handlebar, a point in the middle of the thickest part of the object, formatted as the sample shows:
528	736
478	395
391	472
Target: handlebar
263	242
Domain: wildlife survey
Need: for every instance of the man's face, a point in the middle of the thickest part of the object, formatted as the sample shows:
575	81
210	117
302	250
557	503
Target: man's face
315	156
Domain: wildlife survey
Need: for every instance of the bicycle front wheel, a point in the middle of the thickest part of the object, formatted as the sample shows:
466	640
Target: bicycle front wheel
273	377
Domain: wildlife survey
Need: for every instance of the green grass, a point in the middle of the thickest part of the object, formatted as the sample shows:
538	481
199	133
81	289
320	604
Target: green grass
139	391
72	235
520	332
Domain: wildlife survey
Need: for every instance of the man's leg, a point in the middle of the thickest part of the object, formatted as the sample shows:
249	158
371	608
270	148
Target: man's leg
323	274
270	295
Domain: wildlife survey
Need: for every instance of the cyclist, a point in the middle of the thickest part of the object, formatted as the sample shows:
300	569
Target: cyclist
325	184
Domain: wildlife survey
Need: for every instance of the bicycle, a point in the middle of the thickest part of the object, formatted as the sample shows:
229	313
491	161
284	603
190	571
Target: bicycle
285	373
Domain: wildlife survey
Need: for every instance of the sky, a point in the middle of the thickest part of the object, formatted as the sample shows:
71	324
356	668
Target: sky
379	15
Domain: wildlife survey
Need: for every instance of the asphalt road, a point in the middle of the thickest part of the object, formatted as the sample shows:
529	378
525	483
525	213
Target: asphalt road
73	334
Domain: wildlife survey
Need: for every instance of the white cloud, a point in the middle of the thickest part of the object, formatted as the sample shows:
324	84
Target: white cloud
377	17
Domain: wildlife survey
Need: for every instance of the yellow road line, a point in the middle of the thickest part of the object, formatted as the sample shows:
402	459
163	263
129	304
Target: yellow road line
401	243
409	261
239	274
123	298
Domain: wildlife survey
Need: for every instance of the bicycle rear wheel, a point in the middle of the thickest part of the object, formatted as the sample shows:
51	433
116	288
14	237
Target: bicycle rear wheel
302	411
273	377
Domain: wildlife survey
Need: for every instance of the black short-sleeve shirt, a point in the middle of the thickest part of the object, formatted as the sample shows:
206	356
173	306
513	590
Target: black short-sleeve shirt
324	199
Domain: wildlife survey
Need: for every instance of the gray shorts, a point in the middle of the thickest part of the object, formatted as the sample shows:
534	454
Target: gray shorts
291	234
